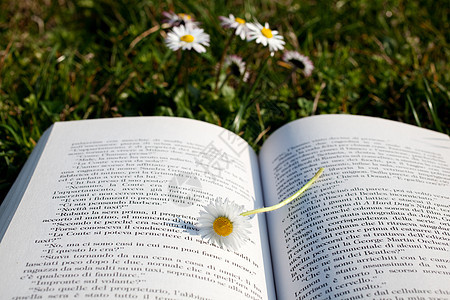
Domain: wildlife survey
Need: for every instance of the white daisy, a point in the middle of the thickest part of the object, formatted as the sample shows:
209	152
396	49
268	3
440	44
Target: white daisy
186	38
264	35
173	19
222	224
299	61
236	66
235	22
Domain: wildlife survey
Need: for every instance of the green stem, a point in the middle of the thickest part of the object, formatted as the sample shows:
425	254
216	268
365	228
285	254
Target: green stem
258	78
286	201
187	104
288	75
219	69
224	81
177	70
247	97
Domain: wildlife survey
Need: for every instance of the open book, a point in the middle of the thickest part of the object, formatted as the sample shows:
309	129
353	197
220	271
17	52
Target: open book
107	209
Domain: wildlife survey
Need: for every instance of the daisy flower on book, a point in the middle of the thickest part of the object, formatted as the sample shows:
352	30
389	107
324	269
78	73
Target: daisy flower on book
265	36
187	37
299	61
223	223
234	22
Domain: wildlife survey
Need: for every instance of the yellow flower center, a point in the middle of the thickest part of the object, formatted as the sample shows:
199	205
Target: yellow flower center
267	32
187	38
184	16
240	21
223	226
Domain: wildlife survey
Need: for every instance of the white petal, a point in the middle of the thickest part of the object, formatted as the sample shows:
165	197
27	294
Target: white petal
199	48
253	27
179	31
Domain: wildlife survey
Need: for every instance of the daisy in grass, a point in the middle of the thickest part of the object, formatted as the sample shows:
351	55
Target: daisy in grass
236	66
299	61
173	19
234	22
222	224
186	38
264	35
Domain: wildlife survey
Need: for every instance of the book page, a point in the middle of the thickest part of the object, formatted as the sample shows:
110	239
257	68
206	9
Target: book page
111	212
375	225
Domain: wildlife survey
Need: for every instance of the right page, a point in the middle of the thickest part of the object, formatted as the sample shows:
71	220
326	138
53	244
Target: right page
377	222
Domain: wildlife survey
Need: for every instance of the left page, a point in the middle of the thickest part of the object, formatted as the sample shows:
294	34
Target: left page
111	212
10	203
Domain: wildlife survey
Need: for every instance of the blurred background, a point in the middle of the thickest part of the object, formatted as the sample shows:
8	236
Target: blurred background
64	60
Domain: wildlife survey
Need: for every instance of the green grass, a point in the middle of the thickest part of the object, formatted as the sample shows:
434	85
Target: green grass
80	59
